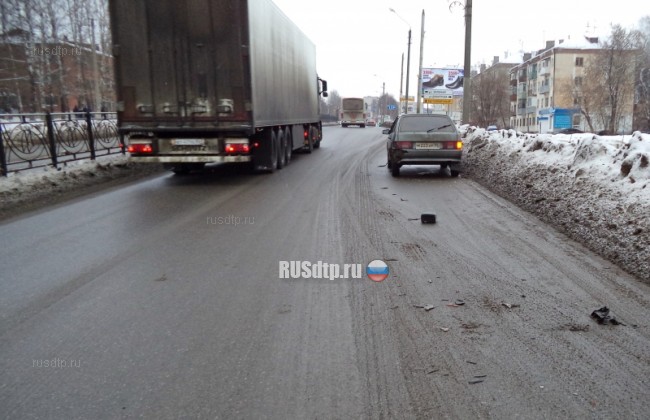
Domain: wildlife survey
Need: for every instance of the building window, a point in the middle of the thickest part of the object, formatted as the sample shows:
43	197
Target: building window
576	120
578	81
579	61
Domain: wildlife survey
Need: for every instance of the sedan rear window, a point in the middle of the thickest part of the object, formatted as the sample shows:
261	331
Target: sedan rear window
419	125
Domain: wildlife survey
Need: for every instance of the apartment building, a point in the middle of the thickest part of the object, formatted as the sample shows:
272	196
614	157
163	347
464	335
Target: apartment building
541	100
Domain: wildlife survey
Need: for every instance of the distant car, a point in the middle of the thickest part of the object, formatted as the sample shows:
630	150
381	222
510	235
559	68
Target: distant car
570	131
371	123
492	128
424	139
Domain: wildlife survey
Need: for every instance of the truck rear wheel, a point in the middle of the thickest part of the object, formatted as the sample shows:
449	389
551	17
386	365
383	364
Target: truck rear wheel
281	149
289	146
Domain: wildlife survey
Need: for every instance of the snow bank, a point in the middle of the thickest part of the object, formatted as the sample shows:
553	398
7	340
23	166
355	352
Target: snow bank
596	189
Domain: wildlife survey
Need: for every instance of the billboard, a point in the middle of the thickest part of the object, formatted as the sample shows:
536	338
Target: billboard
442	83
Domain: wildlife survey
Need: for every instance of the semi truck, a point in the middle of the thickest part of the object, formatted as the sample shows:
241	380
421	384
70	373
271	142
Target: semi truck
211	81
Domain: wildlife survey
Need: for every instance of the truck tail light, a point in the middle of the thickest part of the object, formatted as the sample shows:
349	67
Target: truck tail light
237	148
404	144
141	147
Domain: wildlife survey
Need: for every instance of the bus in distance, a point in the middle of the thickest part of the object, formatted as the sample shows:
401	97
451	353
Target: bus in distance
353	112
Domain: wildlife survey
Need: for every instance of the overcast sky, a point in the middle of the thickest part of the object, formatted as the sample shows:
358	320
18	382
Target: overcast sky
359	43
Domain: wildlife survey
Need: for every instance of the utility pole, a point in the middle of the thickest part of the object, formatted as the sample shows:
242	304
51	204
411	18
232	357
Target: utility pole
408	62
420	68
401	82
408	72
467	97
383	99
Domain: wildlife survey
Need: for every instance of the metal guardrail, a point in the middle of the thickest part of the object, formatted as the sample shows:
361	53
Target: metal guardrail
37	140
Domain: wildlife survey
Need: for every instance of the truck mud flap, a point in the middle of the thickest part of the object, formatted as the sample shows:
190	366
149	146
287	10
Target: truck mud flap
265	155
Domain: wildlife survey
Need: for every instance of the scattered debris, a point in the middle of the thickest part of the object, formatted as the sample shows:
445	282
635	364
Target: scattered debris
510	305
390	259
444	329
470	325
475	381
470	362
413	218
395	307
384	188
575	327
382	166
430	281
457	303
433	371
426	307
603	317
428	218
402	199
480	376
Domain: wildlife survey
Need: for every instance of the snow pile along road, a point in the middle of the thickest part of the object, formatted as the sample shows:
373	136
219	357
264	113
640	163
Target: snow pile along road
35	188
595	189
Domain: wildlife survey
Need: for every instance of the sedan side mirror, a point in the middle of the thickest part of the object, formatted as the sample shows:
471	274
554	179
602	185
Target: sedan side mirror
385	131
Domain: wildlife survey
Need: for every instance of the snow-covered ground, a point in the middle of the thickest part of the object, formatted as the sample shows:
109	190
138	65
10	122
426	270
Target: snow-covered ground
595	189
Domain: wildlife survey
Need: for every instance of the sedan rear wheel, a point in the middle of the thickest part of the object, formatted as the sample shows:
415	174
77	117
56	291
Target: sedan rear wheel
394	169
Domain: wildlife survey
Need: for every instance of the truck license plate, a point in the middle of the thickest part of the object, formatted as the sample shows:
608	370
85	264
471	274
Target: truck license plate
188	142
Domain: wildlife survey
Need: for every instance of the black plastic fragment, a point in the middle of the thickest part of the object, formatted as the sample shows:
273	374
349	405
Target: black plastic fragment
602	316
428	218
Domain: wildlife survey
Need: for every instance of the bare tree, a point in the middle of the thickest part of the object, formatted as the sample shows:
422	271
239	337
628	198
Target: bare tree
491	97
642	117
604	94
36	37
334	102
609	77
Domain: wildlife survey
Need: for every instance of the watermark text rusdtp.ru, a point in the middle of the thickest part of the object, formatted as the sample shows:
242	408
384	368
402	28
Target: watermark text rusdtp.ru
231	219
56	363
54	51
318	270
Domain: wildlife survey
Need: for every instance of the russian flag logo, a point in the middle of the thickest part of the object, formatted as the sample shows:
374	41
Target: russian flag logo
377	270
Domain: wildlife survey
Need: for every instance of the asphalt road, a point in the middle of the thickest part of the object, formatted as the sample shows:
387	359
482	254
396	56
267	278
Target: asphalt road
162	299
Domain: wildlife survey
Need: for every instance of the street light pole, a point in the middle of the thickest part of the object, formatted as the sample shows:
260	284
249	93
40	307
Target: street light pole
401	85
382	102
466	70
420	68
408	62
408	73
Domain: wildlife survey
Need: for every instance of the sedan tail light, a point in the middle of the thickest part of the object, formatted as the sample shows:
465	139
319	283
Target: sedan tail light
456	145
403	144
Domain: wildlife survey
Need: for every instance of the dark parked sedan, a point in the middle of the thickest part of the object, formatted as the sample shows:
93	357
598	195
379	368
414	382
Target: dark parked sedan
424	139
